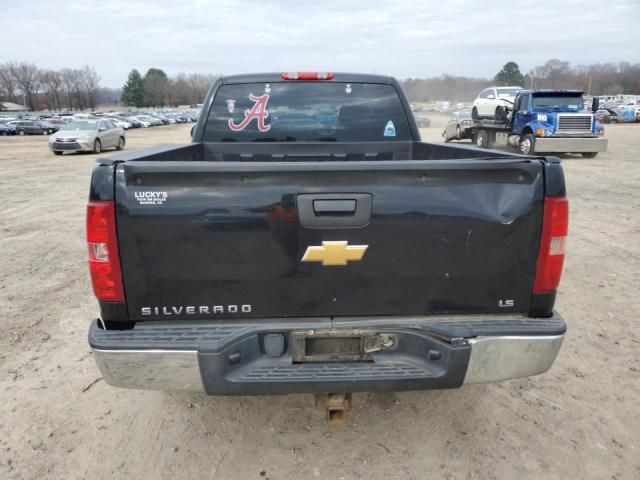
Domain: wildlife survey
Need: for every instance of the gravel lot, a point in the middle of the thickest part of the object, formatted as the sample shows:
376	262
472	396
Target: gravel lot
59	420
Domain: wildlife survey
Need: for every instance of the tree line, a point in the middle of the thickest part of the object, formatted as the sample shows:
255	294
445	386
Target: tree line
596	79
79	88
156	89
38	89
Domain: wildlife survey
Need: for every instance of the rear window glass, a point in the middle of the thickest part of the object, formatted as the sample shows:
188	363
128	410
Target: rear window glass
307	112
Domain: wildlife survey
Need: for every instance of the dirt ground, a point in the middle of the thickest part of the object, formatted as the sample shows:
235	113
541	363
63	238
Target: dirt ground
59	420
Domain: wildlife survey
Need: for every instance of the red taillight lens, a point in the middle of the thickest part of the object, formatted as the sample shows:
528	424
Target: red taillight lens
307	75
555	227
104	261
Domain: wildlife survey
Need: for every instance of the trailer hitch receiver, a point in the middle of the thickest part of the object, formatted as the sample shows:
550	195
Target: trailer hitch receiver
335	406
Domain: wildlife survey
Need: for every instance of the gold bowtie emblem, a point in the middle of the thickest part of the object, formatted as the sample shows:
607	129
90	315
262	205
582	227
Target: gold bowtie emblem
335	253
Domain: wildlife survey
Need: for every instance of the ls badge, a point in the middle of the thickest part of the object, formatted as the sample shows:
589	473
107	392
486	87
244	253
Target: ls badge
335	253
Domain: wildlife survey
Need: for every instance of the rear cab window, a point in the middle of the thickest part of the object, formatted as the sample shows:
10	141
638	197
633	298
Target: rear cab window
307	111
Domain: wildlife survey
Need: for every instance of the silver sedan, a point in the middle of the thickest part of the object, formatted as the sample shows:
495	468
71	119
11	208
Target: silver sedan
87	135
459	126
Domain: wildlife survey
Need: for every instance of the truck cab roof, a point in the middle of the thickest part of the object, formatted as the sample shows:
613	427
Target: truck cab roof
275	77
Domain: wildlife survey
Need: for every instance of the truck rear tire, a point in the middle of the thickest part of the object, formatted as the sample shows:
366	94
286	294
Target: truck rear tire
589	154
481	138
527	144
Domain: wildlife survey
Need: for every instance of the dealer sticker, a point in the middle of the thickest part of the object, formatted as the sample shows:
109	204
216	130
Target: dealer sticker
151	198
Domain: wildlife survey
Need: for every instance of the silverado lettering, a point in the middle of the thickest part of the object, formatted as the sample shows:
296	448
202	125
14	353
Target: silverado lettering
195	310
464	249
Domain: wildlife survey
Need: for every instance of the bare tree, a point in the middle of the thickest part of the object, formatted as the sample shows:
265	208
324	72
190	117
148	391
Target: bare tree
28	79
179	90
53	89
8	83
199	85
91	84
66	74
74	88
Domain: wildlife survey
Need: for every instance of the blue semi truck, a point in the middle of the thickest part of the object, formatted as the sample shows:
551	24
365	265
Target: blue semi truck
544	121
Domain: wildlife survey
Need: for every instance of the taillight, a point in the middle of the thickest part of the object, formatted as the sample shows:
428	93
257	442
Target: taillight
307	75
104	261
555	226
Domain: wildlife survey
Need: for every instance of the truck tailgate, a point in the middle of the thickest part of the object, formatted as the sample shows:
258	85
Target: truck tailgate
209	240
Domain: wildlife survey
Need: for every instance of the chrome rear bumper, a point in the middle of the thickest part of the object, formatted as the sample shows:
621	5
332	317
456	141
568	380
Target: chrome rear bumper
171	370
495	359
238	365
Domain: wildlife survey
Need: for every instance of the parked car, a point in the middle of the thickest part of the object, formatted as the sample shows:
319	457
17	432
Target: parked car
163	120
145	123
607	115
460	126
132	121
192	115
33	127
626	113
120	123
56	121
493	101
90	135
7	129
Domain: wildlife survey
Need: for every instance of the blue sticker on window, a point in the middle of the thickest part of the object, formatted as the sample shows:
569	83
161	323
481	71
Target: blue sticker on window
390	129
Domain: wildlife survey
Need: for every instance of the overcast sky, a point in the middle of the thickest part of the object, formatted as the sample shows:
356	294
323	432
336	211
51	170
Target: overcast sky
400	38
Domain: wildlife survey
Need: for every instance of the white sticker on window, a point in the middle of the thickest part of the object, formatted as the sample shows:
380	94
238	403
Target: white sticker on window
390	129
231	105
151	198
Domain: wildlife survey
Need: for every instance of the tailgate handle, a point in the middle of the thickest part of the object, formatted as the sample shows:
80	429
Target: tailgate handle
334	207
334	210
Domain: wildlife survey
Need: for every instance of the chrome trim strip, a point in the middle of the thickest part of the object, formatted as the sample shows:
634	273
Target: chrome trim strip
150	369
495	359
568	144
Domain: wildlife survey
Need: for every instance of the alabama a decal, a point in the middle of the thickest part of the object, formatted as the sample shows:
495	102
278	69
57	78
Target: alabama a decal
258	111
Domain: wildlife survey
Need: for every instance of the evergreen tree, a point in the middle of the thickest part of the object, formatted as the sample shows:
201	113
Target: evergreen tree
133	90
156	87
509	75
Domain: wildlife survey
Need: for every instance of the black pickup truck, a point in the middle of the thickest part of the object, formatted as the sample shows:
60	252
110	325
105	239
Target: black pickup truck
307	240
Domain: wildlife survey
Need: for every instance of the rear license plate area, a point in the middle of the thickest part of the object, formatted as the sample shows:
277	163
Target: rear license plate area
314	346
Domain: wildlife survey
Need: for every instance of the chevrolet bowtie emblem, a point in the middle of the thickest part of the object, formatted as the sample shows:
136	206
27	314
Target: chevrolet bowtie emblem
335	253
